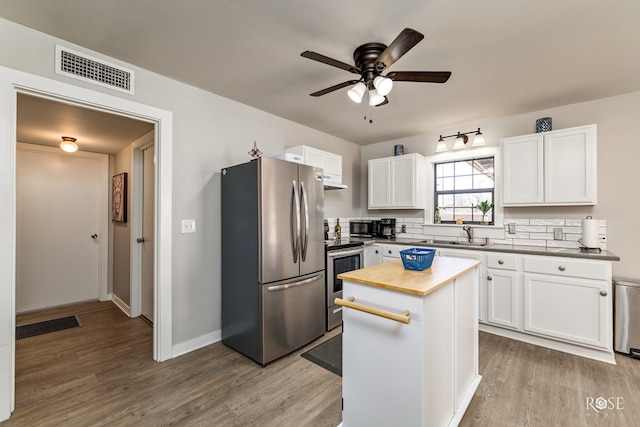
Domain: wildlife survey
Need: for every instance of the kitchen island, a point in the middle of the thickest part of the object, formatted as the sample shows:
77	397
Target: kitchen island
410	343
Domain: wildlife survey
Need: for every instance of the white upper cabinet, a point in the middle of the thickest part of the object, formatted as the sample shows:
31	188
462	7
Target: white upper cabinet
551	169
397	182
330	163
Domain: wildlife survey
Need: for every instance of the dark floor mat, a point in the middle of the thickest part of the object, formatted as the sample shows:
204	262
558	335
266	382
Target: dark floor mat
328	354
41	328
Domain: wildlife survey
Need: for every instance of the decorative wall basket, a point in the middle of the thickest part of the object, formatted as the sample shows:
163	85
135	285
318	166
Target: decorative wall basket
543	124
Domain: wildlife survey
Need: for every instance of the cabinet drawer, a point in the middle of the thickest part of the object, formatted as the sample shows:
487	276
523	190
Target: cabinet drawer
502	261
391	250
568	267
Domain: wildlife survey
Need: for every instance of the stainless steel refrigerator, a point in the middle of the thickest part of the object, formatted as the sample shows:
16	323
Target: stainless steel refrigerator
273	286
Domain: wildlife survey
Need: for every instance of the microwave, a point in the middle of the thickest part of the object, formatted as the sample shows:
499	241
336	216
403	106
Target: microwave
363	228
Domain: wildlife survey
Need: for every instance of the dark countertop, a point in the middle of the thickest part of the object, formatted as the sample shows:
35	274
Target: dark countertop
496	247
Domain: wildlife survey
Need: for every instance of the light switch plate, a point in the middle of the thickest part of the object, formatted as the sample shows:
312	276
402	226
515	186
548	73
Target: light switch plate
512	228
188	226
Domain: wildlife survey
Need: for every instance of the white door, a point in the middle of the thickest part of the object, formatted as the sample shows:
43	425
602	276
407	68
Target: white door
148	227
57	228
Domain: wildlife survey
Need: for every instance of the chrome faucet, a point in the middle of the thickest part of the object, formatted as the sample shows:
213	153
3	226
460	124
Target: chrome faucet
469	231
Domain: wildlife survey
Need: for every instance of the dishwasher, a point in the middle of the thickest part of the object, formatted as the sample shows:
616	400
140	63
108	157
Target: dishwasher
626	316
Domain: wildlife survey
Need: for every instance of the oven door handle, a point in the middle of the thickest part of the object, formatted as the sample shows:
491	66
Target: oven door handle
341	253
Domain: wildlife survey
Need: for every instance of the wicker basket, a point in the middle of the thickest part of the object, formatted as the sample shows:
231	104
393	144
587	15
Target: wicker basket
417	258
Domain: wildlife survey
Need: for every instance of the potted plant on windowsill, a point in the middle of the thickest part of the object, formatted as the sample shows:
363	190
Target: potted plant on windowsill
484	207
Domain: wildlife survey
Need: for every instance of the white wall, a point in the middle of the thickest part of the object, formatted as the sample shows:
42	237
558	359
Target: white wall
618	170
209	133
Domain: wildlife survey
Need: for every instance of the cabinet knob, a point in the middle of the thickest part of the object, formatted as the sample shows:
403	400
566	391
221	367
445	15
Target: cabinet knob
603	293
500	262
389	250
562	268
489	277
377	251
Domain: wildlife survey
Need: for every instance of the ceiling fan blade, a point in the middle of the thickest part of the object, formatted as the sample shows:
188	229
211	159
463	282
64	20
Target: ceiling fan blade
330	61
406	40
420	76
334	87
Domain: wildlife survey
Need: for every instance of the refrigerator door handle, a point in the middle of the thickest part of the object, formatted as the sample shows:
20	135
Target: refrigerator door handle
305	241
295	221
294	284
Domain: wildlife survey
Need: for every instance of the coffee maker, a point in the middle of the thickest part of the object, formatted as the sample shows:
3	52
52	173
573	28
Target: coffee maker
387	228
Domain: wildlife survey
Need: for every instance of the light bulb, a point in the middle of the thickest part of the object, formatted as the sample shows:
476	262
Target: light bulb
375	98
357	92
383	85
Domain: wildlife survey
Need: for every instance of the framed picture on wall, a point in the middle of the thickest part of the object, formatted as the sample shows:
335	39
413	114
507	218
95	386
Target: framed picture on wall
119	197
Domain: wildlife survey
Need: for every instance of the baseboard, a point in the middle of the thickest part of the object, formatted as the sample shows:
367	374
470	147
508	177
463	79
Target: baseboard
121	305
196	343
590	353
466	401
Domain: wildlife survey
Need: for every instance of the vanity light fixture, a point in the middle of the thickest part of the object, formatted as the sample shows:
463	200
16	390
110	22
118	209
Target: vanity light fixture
68	144
461	141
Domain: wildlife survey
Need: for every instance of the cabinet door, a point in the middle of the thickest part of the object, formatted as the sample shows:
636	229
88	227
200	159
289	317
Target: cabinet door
403	181
332	164
503	298
371	255
313	157
379	183
575	310
522	170
570	166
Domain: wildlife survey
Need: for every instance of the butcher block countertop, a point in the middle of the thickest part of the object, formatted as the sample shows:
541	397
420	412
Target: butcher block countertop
393	276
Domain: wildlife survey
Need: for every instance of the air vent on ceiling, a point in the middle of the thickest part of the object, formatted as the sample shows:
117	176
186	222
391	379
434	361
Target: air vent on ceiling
83	67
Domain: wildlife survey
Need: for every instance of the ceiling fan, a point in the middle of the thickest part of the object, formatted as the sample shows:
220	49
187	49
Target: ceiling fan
371	60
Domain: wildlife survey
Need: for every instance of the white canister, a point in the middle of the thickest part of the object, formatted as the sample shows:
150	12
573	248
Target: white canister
590	233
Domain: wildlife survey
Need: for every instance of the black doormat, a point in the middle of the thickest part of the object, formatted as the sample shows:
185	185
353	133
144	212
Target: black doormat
328	354
47	326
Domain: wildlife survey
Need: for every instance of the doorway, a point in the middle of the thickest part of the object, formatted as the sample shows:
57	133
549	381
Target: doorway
13	82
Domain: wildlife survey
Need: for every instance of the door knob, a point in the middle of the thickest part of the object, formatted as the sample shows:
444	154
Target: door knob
140	240
94	236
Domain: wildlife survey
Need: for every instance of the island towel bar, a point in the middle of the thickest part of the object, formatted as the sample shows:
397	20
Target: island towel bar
349	302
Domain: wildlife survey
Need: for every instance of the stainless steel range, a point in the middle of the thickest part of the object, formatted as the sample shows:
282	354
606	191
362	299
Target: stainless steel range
342	256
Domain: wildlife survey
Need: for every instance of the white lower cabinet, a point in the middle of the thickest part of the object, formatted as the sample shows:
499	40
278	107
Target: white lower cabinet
566	305
560	303
372	255
503	291
391	252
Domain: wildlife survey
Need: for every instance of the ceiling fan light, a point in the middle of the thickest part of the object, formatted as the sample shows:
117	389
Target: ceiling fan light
375	98
357	92
68	144
478	140
383	85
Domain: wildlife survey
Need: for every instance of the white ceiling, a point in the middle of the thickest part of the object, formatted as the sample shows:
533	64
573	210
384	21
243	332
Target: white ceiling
507	57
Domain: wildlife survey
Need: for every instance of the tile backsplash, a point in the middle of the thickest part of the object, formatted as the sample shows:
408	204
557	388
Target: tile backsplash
539	232
528	231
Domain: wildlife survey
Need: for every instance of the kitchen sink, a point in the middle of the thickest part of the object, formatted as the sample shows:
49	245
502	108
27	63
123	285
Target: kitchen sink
454	242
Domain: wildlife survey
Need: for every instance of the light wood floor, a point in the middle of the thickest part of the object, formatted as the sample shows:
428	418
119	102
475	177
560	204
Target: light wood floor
103	374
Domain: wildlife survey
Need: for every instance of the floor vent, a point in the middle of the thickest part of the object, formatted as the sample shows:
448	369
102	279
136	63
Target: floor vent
83	67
